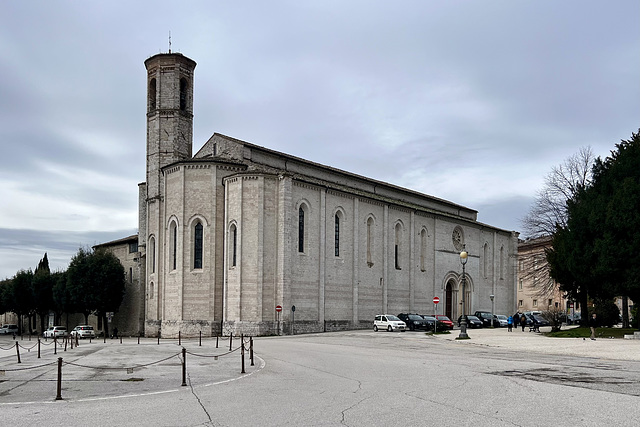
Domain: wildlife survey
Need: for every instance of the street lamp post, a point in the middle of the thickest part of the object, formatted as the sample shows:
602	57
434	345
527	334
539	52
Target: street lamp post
463	324
491	296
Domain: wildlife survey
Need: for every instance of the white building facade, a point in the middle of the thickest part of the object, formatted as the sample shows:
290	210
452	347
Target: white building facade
236	230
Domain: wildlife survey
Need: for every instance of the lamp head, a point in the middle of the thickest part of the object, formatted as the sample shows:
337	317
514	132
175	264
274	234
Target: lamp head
463	257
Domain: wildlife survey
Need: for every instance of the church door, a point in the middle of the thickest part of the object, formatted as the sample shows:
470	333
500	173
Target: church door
448	301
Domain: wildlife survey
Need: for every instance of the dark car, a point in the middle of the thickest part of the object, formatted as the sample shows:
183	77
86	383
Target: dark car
535	321
414	321
434	323
485	317
472	322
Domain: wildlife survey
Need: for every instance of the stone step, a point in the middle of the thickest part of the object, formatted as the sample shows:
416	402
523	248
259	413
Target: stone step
635	336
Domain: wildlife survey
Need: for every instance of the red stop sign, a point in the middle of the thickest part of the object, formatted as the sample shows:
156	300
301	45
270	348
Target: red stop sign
278	308
436	300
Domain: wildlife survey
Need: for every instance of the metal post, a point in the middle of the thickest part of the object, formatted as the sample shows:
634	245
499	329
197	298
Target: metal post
179	338
492	297
55	345
251	350
38	347
242	351
217	337
463	324
184	366
59	395
200	341
18	351
230	339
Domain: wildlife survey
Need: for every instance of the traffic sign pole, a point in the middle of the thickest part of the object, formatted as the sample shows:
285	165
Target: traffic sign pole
436	300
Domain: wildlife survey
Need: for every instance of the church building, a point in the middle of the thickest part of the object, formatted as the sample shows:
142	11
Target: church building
239	238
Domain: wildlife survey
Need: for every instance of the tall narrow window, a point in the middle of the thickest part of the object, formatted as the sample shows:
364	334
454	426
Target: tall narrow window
423	250
152	95
152	246
151	290
183	94
300	229
197	246
502	262
369	241
485	260
233	245
174	246
397	246
337	235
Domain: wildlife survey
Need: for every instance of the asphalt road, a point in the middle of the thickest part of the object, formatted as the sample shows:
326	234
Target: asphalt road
357	378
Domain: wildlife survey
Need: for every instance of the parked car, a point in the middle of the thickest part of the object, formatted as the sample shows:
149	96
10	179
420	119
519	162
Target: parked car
434	323
472	322
9	329
55	331
414	321
503	321
537	320
388	322
83	331
485	317
445	321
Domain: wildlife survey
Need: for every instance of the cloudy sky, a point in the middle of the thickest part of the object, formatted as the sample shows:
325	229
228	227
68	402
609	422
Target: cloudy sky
470	101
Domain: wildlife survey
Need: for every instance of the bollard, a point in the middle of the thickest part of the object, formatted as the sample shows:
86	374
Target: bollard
55	345
216	340
179	338
38	347
230	339
138	338
104	339
120	339
18	351
65	343
184	366
71	341
200	344
158	339
242	351
251	350
59	395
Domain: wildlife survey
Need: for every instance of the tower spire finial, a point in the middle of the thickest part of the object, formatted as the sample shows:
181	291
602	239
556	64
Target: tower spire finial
169	41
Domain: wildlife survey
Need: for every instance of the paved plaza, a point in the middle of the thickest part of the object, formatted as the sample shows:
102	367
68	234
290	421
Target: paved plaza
352	378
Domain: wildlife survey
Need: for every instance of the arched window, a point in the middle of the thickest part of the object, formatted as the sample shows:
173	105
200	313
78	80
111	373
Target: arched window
423	250
233	245
197	245
152	95
337	235
369	241
398	239
301	229
173	245
183	94
485	260
152	254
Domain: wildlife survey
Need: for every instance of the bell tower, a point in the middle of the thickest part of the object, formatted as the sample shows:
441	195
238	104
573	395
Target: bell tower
169	115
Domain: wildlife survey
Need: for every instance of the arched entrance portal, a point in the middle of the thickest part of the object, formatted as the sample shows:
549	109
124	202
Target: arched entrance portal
448	304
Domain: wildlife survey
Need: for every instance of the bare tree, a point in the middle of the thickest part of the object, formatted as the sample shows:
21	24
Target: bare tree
561	184
548	211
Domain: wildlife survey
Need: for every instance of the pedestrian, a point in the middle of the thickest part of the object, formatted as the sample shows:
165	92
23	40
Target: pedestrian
115	332
510	323
523	322
593	324
516	319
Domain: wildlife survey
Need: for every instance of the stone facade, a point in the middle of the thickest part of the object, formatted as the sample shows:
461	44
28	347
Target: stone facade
235	230
537	291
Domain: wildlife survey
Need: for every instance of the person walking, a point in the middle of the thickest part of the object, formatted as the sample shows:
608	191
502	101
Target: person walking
593	324
510	323
516	319
523	322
